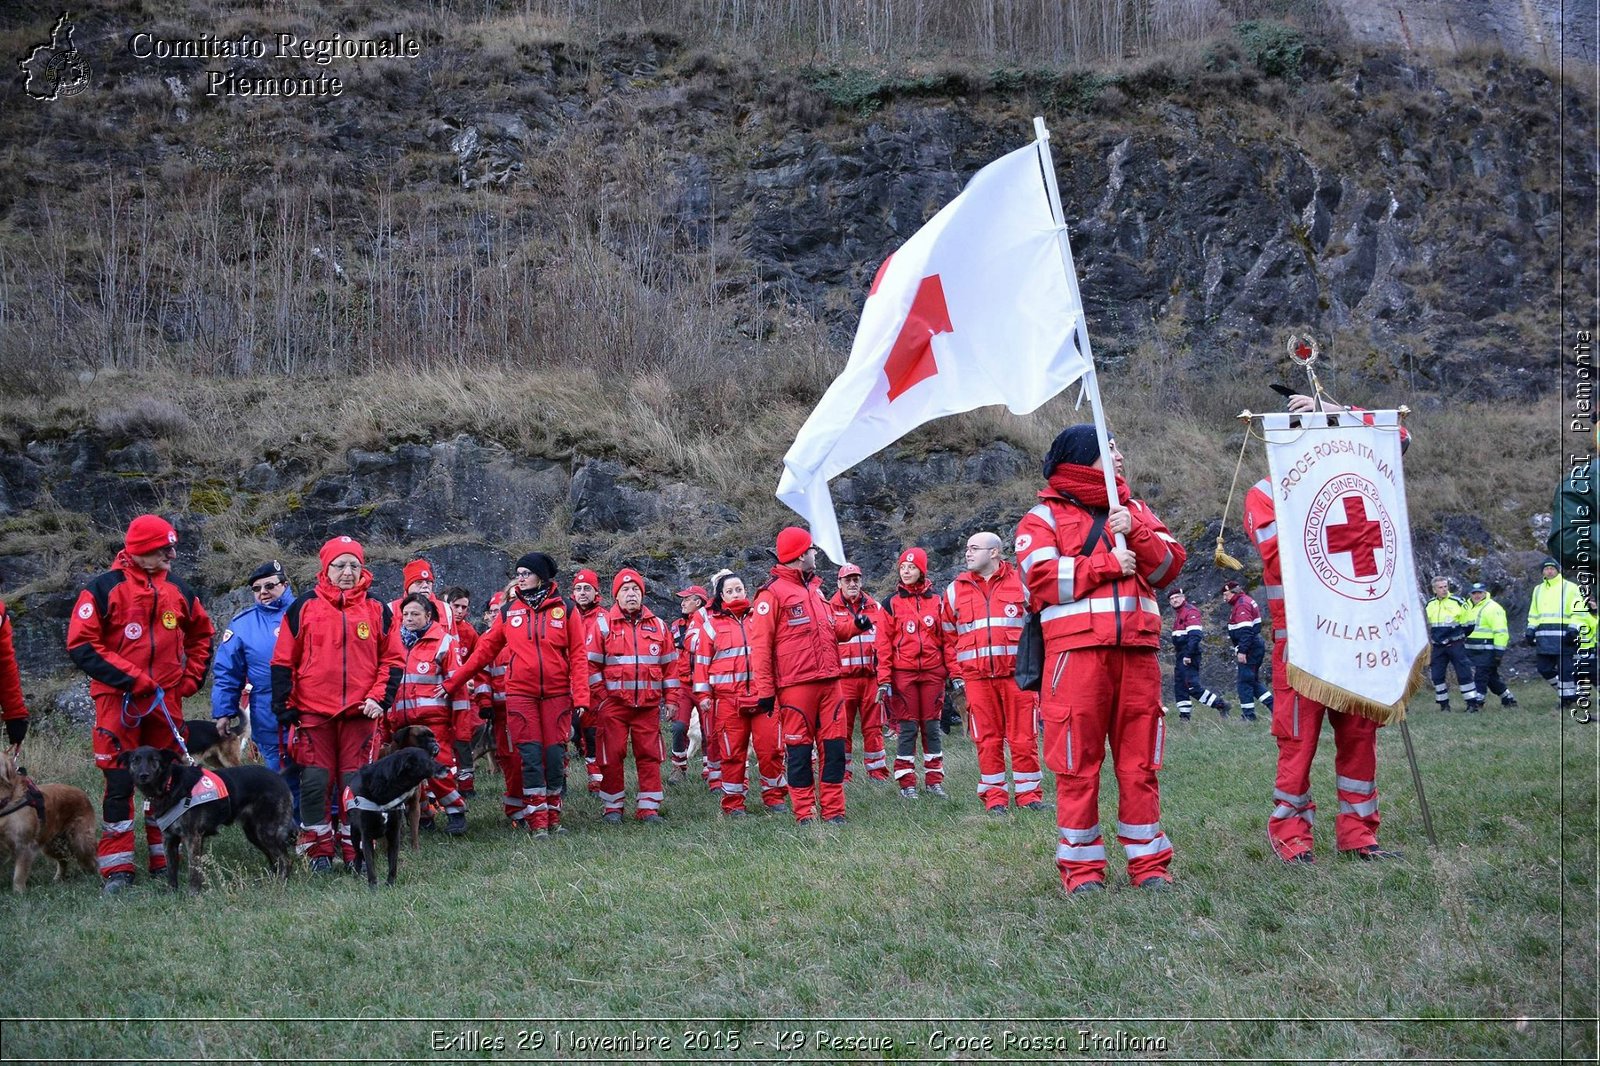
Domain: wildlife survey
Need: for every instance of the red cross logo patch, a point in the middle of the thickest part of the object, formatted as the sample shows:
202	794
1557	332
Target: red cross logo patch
1350	539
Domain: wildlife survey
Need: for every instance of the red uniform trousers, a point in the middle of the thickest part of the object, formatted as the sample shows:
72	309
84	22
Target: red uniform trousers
808	713
1297	725
999	714
739	729
539	729
1115	694
328	750
619	722
464	722
917	701
860	695
115	733
514	802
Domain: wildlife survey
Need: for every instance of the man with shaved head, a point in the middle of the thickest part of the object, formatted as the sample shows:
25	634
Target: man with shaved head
983	613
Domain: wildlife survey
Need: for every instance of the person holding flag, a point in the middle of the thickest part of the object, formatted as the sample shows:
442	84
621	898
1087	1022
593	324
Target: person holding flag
1297	716
1102	634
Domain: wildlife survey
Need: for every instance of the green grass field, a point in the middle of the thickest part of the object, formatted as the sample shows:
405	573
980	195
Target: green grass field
918	932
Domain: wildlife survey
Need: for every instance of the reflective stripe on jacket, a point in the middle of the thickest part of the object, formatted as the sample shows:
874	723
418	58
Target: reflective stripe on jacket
983	622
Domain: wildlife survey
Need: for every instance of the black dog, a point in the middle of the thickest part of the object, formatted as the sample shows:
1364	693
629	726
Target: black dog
256	798
376	798
412	736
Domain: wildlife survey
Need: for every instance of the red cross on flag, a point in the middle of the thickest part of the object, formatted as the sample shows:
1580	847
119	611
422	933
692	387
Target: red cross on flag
979	307
1357	636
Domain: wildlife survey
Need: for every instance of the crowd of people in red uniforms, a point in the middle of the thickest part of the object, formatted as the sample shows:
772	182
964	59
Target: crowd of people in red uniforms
782	671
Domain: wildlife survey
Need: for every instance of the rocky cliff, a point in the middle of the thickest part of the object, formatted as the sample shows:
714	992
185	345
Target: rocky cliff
1408	208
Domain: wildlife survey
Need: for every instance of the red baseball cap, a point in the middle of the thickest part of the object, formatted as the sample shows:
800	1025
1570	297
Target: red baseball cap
849	570
695	590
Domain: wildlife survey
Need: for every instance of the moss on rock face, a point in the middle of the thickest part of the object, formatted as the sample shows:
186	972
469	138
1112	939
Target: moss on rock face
210	497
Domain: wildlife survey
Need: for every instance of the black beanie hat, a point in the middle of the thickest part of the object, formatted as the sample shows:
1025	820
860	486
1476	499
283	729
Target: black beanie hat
1076	445
540	564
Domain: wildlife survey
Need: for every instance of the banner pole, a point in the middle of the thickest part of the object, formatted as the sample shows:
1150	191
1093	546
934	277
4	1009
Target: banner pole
1080	334
1416	779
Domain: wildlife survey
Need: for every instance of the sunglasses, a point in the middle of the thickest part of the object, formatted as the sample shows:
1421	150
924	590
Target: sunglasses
266	586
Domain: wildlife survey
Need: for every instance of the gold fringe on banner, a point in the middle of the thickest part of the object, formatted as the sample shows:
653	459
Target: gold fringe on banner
1330	695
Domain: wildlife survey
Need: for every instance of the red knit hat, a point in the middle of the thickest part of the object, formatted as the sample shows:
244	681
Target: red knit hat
587	577
341	546
416	570
792	543
625	575
916	557
148	533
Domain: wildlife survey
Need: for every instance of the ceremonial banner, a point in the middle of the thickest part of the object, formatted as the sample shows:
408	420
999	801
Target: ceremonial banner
977	308
1358	640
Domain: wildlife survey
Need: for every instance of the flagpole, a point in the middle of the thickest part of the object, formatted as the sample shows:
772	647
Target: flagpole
1091	383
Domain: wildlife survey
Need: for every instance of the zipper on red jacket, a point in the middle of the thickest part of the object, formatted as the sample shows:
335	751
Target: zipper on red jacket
344	657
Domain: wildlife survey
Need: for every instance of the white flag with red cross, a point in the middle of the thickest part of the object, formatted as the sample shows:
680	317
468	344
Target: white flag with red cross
1357	636
977	308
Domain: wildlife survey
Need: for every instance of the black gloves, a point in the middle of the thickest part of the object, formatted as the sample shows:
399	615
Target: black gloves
16	729
863	623
288	716
766	704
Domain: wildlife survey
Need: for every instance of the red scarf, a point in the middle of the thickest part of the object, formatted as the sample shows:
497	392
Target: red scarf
1087	484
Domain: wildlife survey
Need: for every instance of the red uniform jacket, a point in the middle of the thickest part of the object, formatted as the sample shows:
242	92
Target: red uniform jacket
721	666
11	702
983	622
631	658
136	632
858	655
794	633
544	649
1086	602
911	636
335	649
1261	526
417	700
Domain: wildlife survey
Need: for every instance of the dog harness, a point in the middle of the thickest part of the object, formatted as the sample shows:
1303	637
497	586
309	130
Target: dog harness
31	797
208	789
352	802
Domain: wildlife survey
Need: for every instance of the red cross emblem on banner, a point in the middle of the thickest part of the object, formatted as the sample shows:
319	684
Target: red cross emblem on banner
1358	536
911	357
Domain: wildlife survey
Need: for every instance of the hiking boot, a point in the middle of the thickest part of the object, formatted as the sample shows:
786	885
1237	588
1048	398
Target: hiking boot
837	819
1474	706
676	777
938	790
652	818
427	825
1184	717
1036	805
321	864
612	817
1251	717
1087	888
1299	858
558	830
1373	853
116	884
997	812
737	812
777	808
909	792
456	824
804	821
1508	700
539	834
1154	883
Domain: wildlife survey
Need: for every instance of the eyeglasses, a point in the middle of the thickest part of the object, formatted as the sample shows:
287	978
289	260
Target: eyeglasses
980	548
524	573
267	586
344	566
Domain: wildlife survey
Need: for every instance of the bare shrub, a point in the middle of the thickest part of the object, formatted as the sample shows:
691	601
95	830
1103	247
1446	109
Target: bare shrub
145	418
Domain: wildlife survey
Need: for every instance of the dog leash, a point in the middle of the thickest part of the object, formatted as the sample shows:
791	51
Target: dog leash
158	700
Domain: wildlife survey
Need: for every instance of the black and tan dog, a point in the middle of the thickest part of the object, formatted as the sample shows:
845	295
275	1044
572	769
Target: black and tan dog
212	745
56	821
191	804
374	797
422	738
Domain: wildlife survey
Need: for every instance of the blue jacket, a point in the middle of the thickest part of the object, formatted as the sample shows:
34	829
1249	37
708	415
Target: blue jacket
245	654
